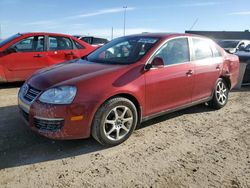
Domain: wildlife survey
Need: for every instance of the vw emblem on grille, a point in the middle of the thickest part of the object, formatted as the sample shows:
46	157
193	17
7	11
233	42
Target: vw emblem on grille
25	89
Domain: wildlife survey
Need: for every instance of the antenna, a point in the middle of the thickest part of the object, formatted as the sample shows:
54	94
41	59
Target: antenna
112	33
195	22
0	31
124	20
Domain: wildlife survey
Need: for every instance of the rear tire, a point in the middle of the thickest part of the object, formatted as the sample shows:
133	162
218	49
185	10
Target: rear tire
114	121
220	96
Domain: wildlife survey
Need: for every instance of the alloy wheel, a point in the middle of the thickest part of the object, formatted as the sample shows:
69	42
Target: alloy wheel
221	92
118	123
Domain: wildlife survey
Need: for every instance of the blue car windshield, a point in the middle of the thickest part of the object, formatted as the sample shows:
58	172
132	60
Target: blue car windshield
5	41
124	50
228	43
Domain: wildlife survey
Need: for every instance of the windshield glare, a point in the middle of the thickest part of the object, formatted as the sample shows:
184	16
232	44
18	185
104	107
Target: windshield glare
125	50
5	41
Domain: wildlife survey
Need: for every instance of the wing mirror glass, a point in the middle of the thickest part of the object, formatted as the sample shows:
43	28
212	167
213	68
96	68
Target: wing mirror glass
156	63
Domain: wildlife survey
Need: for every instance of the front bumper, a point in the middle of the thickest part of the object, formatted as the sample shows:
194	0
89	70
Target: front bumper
55	121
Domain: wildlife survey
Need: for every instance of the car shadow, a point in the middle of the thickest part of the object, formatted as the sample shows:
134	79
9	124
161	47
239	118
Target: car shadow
191	110
10	85
20	146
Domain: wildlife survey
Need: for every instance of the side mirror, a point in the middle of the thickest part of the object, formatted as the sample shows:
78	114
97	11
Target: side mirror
157	62
148	66
10	50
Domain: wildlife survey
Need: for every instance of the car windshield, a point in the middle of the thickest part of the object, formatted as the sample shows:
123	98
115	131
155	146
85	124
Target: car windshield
247	48
228	44
5	41
124	50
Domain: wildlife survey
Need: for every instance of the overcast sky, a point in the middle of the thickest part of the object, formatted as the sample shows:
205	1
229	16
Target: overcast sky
97	17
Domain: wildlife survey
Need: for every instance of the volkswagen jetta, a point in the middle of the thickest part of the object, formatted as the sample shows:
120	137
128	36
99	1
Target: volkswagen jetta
125	82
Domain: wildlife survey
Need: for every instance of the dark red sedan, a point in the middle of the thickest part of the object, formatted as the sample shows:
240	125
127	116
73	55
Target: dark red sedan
23	54
125	82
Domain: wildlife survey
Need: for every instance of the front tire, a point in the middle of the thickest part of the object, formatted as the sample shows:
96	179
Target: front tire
220	96
114	121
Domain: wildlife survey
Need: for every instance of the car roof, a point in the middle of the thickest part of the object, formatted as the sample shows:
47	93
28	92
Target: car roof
166	35
87	36
236	40
45	33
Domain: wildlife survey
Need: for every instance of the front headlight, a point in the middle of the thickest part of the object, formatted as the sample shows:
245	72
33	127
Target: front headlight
24	89
59	95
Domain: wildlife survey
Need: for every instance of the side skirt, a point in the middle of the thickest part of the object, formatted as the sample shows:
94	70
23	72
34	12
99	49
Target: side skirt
176	109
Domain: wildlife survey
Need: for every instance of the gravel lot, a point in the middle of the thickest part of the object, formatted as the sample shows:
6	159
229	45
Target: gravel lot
196	147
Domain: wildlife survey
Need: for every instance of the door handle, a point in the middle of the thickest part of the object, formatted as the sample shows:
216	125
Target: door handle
189	73
70	53
38	55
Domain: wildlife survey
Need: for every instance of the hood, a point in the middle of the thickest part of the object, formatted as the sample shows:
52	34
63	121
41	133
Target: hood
66	71
243	56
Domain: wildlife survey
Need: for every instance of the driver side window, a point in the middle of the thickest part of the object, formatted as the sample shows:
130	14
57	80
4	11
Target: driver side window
30	44
175	51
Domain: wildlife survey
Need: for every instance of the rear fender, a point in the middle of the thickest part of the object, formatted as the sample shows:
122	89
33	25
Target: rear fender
231	69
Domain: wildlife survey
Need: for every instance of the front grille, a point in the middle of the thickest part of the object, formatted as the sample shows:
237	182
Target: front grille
31	94
25	115
48	125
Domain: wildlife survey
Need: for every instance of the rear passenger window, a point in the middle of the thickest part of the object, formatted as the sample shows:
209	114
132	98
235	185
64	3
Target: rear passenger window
60	43
216	52
175	51
202	49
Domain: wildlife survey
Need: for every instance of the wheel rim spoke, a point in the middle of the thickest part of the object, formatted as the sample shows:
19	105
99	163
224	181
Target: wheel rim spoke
128	120
125	128
219	98
124	112
116	113
224	97
117	134
112	130
112	122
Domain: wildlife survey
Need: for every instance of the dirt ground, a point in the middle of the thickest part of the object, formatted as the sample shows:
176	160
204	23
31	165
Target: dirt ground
196	147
